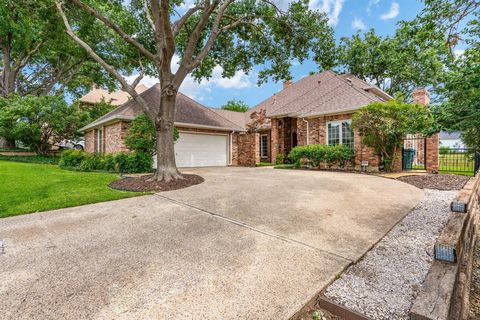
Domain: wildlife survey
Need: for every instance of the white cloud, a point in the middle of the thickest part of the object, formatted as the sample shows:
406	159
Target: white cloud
200	90
358	24
394	11
372	3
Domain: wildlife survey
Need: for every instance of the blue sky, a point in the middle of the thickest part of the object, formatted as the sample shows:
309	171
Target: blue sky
345	16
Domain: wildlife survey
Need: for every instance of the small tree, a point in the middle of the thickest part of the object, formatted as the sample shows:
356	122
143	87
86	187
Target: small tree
236	105
383	126
258	119
141	136
40	122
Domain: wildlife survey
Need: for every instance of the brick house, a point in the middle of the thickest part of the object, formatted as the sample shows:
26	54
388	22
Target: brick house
315	110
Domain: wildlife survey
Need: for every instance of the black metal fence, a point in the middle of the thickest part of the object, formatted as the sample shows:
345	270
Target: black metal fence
459	160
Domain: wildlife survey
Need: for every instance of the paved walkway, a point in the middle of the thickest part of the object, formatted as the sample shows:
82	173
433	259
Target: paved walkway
252	243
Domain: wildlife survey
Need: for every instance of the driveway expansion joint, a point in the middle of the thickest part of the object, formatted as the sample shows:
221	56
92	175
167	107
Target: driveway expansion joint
252	228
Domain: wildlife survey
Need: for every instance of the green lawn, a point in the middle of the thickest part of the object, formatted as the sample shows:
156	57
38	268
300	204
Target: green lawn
28	187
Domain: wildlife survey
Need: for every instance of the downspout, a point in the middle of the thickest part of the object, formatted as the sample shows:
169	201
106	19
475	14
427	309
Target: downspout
230	158
308	133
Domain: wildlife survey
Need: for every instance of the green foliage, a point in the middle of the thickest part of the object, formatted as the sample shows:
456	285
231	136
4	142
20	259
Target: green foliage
396	64
315	154
141	136
39	122
133	162
42	58
285	166
94	111
383	126
444	149
236	105
32	159
280	159
264	164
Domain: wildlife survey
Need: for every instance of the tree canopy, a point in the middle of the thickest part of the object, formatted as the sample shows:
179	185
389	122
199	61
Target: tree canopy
236	105
396	64
37	57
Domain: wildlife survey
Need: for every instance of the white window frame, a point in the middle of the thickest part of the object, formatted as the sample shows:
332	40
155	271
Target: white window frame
340	133
261	145
100	140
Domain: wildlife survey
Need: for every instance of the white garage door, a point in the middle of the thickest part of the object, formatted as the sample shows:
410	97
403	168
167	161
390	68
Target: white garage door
201	150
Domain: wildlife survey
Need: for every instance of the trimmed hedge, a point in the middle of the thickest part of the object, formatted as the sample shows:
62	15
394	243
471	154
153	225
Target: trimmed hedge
134	162
316	154
32	159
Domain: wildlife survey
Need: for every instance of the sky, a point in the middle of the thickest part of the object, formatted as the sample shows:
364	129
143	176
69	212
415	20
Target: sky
345	16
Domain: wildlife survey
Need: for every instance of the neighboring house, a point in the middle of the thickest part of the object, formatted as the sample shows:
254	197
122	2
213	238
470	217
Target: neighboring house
115	98
315	110
451	139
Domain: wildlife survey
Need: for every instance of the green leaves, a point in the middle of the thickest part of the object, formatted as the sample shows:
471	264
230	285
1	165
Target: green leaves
383	126
236	105
39	122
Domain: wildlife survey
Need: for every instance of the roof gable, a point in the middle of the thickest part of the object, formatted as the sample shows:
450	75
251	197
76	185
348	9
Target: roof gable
322	93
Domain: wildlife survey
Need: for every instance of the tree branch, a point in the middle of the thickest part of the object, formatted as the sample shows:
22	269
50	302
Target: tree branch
177	26
148	15
110	69
115	28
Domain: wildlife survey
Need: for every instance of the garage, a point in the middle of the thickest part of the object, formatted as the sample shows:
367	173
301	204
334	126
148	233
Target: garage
201	150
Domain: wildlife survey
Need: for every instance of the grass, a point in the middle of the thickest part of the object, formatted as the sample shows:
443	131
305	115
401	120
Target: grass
28	187
32	159
457	163
264	164
284	166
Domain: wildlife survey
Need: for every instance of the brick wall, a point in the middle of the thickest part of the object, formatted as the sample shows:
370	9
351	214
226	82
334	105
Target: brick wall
274	139
432	158
248	149
114	135
90	141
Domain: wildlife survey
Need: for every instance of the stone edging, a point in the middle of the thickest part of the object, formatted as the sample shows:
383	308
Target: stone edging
444	294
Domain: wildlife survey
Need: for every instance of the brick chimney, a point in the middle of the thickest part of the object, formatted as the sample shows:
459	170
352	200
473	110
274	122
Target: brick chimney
287	84
421	96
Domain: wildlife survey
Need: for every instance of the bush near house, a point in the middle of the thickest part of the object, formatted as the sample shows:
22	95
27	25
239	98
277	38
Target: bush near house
134	162
316	154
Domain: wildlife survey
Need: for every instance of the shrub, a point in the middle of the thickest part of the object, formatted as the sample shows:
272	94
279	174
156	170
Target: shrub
71	158
141	136
134	162
91	162
315	154
280	159
32	159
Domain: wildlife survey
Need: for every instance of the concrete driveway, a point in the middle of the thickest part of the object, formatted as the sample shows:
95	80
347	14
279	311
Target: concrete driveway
248	243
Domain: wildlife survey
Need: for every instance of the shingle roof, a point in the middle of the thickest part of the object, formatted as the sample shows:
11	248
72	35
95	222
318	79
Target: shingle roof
187	112
239	118
320	94
115	98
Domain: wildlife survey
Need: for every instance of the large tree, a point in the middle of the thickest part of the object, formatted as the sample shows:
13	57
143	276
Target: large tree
397	64
459	22
236	35
37	57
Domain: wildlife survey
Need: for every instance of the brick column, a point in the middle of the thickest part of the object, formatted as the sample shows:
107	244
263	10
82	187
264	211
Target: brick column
432	160
421	96
274	138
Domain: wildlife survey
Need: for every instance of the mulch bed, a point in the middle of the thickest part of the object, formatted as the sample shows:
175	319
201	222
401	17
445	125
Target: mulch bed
436	181
142	183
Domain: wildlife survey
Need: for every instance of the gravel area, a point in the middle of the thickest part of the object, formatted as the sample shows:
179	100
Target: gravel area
384	283
436	181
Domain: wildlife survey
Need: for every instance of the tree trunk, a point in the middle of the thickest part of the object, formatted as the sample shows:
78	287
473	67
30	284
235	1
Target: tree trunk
164	124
